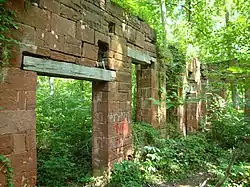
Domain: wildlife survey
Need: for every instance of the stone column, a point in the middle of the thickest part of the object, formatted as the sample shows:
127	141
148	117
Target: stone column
18	122
147	87
112	119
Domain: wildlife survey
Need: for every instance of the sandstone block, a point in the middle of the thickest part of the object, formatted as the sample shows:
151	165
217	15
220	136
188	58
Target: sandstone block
6	144
85	33
63	26
90	51
19	143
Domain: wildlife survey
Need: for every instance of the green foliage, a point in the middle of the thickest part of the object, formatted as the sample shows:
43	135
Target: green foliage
63	132
227	124
240	174
144	134
126	174
6	168
183	155
6	24
167	159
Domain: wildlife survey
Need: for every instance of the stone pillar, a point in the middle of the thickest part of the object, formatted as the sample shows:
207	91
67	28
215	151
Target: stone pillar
204	102
18	123
112	118
147	87
162	111
192	109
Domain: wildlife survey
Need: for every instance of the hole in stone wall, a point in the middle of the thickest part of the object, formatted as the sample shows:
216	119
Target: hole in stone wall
111	27
102	53
63	131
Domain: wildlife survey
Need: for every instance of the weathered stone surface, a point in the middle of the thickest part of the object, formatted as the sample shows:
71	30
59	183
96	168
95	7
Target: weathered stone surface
115	10
24	33
134	22
70	13
116	56
140	39
8	99
63	26
49	40
149	32
23	162
45	52
17	121
114	64
101	37
69	31
86	62
75	4
72	46
62	57
90	51
36	17
6	144
30	100
150	47
52	5
19	80
19	143
95	22
30	140
131	34
85	33
118	44
140	56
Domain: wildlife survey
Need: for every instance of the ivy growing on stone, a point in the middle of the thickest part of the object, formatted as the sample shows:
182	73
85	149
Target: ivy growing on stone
6	168
7	23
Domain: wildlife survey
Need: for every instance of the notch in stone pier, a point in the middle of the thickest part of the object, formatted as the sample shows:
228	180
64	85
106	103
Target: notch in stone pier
102	53
111	27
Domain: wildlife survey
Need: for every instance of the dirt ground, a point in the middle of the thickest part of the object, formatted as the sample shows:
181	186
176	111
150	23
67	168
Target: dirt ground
196	180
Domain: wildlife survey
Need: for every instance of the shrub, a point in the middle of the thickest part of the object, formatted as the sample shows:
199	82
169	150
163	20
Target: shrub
144	134
239	176
126	174
183	155
227	126
63	133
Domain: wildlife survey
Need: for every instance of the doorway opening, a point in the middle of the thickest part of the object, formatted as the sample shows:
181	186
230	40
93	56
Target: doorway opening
134	91
64	131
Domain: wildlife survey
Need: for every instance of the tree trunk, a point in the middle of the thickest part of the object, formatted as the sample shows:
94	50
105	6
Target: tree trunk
164	20
247	101
235	96
228	170
51	85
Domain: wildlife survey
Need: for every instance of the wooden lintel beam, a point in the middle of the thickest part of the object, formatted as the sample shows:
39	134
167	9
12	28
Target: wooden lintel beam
139	56
64	69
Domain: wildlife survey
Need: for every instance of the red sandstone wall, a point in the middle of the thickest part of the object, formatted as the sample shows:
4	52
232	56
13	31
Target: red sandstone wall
69	30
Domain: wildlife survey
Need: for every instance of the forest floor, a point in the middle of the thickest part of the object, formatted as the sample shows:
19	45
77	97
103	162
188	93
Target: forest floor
199	179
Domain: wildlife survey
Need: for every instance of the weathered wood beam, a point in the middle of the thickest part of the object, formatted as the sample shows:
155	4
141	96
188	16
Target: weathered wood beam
63	69
140	57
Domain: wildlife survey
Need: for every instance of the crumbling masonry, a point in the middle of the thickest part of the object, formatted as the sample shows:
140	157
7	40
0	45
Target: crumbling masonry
86	33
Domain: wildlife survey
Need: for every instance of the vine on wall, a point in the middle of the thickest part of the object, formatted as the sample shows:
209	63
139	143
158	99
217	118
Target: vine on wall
7	170
7	23
6	42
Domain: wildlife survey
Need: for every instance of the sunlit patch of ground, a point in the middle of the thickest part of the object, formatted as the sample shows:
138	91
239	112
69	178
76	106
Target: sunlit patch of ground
200	179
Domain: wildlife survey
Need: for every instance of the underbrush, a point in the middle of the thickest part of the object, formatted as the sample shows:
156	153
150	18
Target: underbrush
63	133
161	159
64	145
167	160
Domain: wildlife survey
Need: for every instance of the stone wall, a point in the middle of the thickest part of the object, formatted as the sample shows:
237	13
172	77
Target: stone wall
191	114
85	33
